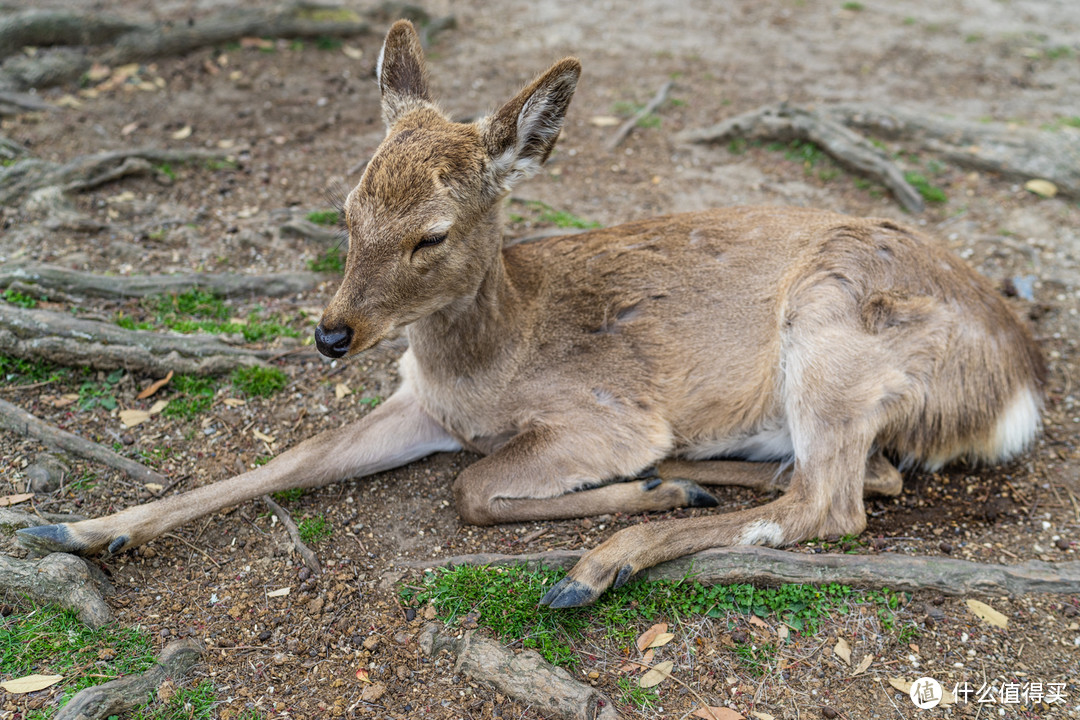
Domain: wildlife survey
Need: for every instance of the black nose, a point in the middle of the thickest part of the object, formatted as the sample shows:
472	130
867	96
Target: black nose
333	343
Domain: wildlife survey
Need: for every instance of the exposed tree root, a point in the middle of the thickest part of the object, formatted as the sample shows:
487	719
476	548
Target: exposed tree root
1016	153
311	560
524	676
120	696
766	565
27	175
84	284
58	579
17	420
66	340
628	127
785	122
119	42
12	103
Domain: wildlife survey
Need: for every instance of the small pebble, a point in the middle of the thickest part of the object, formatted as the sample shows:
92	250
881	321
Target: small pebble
305	573
265	635
829	712
410	614
1062	544
946	548
739	637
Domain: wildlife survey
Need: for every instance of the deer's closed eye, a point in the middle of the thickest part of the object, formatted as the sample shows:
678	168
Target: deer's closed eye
429	241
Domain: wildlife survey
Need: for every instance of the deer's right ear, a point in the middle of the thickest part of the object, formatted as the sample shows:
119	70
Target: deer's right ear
522	133
402	73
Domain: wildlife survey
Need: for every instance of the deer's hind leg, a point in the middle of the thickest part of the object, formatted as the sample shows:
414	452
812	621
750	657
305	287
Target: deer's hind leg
882	477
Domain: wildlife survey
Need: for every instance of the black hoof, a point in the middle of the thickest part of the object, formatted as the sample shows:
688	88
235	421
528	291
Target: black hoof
569	593
118	544
695	495
623	577
49	538
653	484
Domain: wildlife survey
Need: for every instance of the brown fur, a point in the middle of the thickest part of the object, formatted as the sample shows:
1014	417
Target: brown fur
786	335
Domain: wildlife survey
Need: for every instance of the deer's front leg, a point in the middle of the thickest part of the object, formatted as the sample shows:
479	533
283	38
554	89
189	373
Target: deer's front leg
393	434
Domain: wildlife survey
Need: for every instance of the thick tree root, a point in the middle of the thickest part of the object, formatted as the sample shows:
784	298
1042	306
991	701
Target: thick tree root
27	175
120	42
1015	153
84	284
524	676
766	565
120	696
58	579
785	122
65	340
17	420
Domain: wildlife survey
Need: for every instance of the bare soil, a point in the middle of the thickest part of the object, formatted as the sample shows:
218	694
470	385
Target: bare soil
297	119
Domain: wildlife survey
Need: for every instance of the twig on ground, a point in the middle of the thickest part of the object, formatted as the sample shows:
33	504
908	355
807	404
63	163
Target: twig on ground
309	557
58	579
628	127
785	122
766	565
102	286
524	676
120	696
17	420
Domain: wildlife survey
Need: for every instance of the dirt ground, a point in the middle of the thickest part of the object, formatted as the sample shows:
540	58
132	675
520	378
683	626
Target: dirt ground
298	119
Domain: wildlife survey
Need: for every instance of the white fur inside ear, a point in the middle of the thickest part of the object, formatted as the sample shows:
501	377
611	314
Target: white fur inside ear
378	64
538	125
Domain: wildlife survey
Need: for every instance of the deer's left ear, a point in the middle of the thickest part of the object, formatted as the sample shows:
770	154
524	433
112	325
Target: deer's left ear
402	73
520	136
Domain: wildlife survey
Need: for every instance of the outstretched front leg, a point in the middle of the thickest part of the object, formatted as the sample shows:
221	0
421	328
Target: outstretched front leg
395	433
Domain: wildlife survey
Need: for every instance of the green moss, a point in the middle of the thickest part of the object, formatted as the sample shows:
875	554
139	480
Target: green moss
259	381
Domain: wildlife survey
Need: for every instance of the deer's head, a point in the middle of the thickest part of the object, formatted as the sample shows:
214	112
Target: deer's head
413	249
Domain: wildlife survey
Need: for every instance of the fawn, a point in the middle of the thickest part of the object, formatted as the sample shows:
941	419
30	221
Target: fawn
775	348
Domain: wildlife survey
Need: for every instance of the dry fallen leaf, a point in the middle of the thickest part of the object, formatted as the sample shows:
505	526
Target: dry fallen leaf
362	675
987	613
158	407
353	53
717	713
647	658
131	418
762	715
182	133
1042	188
782	632
262	436
234	402
154	387
947	698
30	683
6	500
863	665
282	592
604	121
154	487
341	390
657	675
65	400
661	640
649	635
843	650
755	620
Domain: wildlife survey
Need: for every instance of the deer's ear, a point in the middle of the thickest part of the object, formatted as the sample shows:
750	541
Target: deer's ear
402	73
519	137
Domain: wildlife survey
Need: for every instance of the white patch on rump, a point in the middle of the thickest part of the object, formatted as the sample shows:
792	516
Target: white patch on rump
1017	426
762	532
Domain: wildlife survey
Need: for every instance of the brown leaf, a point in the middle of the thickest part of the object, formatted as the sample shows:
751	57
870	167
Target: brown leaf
647	658
1042	188
30	683
649	635
6	500
131	418
761	715
863	665
843	650
154	387
987	613
717	713
661	640
755	620
657	675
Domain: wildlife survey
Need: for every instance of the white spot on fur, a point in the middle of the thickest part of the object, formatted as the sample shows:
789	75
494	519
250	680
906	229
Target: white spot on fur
1017	426
772	442
440	228
762	532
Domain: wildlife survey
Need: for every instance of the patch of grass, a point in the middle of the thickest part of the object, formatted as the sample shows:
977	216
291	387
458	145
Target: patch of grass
853	6
156	456
560	218
53	641
196	703
196	303
226	164
327	43
21	299
259	381
324	217
630	693
313	529
195	396
371	402
100	394
287	496
330	261
1072	122
159	234
813	159
166	170
756	658
930	192
1059	52
504	599
200	311
737	145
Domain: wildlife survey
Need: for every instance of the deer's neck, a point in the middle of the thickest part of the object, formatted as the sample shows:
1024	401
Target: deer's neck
478	333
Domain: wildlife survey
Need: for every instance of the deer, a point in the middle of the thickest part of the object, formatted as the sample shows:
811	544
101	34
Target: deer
622	369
